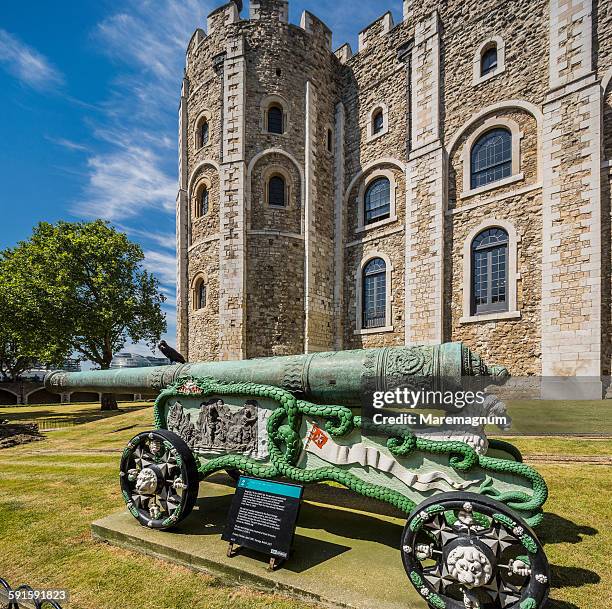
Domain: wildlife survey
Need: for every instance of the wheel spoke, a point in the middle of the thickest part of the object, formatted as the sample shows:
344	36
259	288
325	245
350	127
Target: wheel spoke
462	549
159	478
498	539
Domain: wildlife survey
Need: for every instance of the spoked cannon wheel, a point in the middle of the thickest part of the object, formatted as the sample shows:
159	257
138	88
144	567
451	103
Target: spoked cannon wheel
467	551
159	479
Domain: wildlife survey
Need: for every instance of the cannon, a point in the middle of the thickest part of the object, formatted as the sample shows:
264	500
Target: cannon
471	503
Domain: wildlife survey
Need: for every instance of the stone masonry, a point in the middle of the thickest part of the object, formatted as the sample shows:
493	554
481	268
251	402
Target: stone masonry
290	280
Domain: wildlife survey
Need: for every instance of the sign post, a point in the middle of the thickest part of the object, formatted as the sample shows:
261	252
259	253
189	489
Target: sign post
262	517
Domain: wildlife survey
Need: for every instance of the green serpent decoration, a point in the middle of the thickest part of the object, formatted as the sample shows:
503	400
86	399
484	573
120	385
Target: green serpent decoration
285	446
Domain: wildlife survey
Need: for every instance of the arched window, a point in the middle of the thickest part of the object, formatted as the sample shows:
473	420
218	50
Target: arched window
374	294
200	294
490	271
276	191
488	62
203	200
491	158
377	201
378	122
275	119
204	133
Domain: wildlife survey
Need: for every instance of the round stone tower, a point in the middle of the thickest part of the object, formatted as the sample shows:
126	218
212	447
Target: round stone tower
255	211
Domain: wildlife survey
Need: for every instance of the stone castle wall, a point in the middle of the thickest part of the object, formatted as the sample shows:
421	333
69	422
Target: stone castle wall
288	280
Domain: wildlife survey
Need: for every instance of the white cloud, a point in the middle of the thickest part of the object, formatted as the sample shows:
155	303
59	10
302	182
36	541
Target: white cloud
163	266
149	39
163	240
134	170
27	64
135	173
125	183
69	144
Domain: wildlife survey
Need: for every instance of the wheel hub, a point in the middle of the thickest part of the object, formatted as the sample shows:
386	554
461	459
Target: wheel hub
469	566
147	481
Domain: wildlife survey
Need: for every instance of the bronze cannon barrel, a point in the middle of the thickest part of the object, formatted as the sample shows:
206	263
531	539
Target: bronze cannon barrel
334	377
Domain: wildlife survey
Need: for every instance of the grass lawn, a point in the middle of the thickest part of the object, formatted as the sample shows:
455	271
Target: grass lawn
543	417
49	416
51	491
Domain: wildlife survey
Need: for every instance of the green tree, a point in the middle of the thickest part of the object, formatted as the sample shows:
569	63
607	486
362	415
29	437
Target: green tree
22	344
82	287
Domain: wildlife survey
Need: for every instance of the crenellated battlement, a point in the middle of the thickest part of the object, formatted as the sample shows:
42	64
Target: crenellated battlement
383	25
269	9
223	16
313	25
278	10
344	53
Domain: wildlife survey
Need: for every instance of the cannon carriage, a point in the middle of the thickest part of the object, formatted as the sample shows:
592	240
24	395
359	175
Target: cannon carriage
471	504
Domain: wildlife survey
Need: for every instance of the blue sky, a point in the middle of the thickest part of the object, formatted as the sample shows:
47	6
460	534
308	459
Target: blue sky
88	112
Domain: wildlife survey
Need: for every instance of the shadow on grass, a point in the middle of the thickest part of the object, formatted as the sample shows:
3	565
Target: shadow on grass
556	529
47	419
571	577
553	604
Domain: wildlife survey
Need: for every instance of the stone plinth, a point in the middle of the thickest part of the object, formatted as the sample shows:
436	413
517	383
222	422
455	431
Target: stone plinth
345	554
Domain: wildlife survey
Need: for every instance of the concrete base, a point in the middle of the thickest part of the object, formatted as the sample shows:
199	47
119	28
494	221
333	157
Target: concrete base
346	549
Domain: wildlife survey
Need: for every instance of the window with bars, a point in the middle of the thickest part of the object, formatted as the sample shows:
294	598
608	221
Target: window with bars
374	314
275	120
378	122
377	201
276	191
488	63
204	133
490	271
203	202
200	295
491	158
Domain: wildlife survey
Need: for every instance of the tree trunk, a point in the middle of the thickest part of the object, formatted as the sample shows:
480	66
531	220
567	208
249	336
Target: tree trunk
108	402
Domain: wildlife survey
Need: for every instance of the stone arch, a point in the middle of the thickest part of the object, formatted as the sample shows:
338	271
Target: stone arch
260	215
390	168
268	102
512	277
204	116
198	168
368	256
492	41
8	397
500	106
264	153
368	167
526	168
206	174
198	279
488	125
376	108
42	396
369	178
